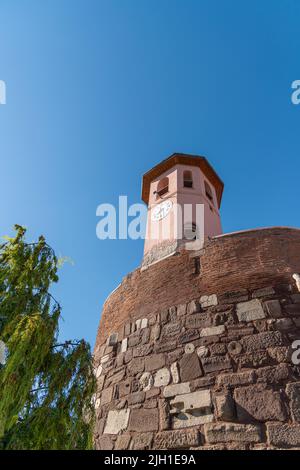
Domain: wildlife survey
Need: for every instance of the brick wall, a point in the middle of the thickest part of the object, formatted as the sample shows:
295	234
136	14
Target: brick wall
189	359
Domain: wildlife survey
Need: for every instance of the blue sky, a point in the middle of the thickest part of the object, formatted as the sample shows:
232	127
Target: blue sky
99	91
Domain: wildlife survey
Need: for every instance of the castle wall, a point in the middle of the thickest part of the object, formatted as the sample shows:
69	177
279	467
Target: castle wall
195	351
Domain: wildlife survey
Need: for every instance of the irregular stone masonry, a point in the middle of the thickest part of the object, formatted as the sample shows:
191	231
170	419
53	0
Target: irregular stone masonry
211	372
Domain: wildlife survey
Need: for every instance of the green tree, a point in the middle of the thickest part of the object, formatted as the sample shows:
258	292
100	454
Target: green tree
46	388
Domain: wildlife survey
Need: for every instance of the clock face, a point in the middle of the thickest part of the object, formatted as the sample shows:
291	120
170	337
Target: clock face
161	210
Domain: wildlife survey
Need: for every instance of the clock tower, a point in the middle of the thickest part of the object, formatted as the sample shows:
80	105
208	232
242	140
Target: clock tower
183	194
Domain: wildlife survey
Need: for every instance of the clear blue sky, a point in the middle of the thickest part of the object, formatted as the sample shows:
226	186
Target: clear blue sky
99	91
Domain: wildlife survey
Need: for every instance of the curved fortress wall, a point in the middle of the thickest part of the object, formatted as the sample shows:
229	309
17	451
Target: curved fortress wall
195	351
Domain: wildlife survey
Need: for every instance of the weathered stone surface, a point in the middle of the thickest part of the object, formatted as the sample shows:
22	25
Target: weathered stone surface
202	383
256	359
188	336
162	377
295	298
150	403
280	353
264	292
283	435
112	339
154	362
202	351
226	432
181	310
224	406
164	414
134	398
172	313
241	378
208	300
154	392
293	309
124	388
199	320
193	307
146	381
273	308
175	372
136	365
170	329
217	349
190	367
187	420
144	323
104	443
189	348
106	395
189	402
262	341
122	442
273	374
117	421
232	297
176	439
155	333
143	420
234	348
259	403
249	311
293	392
165	346
176	389
212	364
284	324
142	350
212	331
142	441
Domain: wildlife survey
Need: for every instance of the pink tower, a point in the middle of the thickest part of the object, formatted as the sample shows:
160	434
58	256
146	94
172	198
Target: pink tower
183	194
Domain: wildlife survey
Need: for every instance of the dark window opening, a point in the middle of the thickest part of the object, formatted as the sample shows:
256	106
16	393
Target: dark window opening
190	231
208	191
187	179
163	186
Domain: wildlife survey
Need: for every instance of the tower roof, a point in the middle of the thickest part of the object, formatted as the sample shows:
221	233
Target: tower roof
184	159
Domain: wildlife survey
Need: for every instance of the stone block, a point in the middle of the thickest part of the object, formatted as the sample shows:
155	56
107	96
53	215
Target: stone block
189	402
172	313
233	297
234	348
176	389
181	310
208	300
293	392
217	349
233	380
213	364
112	339
255	359
124	388
175	373
295	298
124	345
227	432
143	420
164	346
117	421
213	331
199	320
192	307
146	381
274	308
225	410
187	420
283	435
135	398
202	383
162	377
256	402
142	441
170	329
190	367
155	333
142	350
293	309
106	395
188	336
122	442
264	292
176	439
144	323
262	341
273	374
136	365
164	414
249	311
104	443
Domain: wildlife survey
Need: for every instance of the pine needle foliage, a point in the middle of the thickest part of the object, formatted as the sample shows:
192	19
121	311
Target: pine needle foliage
46	388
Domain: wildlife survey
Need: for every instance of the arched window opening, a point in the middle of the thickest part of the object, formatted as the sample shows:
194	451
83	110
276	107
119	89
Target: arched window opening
163	186
187	179
208	191
190	231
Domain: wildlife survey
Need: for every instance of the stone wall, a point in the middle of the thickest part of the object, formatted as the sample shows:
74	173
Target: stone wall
213	371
